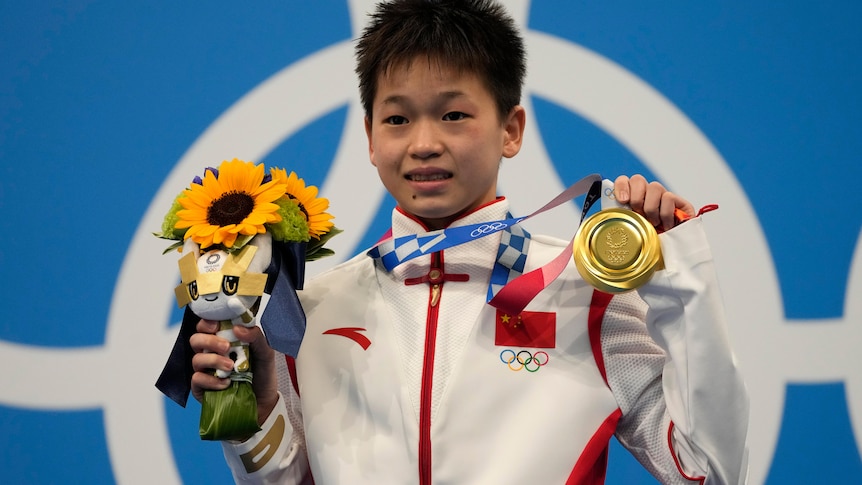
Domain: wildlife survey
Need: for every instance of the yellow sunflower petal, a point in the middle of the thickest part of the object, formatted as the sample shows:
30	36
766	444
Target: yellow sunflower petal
256	219
266	207
311	191
210	186
269	191
201	230
240	176
317	205
204	240
249	229
278	174
192	214
223	235
183	224
198	197
320	218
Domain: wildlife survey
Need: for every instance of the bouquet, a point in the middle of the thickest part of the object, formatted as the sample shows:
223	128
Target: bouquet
242	233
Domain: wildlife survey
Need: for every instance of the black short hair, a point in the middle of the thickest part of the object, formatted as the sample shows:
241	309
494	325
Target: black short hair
476	36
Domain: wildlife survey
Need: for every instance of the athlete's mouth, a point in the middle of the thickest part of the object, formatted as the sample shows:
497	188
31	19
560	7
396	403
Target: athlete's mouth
427	177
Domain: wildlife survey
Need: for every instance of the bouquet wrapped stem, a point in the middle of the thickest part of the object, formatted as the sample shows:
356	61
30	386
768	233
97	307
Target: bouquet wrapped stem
231	414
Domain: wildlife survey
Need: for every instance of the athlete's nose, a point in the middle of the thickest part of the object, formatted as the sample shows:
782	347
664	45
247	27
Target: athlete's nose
425	140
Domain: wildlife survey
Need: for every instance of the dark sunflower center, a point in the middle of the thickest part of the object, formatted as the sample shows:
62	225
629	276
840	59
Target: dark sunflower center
301	207
230	208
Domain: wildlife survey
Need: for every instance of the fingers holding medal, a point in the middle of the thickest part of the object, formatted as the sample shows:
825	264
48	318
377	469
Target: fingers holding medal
662	208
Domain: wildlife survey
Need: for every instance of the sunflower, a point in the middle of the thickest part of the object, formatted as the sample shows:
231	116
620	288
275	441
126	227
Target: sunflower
313	208
229	202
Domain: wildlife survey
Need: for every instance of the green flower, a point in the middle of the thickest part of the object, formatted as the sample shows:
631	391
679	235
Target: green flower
293	225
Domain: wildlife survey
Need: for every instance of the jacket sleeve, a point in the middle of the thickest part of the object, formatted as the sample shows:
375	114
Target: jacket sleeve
276	453
704	393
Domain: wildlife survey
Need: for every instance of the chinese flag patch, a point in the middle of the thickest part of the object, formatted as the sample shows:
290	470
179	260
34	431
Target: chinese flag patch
529	329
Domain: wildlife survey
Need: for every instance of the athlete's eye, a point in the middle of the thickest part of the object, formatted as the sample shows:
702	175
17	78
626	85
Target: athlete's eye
396	120
230	284
454	116
193	290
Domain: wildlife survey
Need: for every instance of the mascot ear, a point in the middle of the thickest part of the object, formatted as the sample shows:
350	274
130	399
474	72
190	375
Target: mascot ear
263	256
191	247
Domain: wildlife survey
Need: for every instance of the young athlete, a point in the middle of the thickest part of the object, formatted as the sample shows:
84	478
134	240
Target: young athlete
408	375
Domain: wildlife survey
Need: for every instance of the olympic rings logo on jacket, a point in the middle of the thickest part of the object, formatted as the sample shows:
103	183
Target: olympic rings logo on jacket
524	360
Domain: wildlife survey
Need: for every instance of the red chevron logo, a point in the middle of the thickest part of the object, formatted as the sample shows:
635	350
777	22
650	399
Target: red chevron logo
353	334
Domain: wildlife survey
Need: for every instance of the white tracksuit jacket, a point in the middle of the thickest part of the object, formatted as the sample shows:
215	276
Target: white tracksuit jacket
400	382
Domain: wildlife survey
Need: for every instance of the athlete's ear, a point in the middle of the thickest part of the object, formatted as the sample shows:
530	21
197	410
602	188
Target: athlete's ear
370	145
513	131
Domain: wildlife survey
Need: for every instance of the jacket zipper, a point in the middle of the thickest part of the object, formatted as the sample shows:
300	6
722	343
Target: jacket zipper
435	288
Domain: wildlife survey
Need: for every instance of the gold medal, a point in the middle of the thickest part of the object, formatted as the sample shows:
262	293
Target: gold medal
617	250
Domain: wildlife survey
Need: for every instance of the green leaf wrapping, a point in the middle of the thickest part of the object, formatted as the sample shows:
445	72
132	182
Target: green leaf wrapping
229	414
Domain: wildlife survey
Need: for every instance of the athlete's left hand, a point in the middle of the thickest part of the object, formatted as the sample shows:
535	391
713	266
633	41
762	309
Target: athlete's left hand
651	199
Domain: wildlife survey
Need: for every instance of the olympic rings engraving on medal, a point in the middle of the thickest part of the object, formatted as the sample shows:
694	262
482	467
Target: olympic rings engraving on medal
488	228
524	359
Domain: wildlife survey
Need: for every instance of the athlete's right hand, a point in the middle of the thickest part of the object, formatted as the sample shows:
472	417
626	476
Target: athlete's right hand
211	353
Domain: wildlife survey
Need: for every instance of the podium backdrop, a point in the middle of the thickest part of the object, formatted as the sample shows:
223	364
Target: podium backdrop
108	109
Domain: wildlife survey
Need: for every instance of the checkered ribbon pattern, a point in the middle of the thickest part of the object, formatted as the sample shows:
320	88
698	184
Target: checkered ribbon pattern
511	258
510	289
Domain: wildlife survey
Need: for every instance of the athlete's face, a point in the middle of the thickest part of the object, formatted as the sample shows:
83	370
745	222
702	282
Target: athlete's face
437	140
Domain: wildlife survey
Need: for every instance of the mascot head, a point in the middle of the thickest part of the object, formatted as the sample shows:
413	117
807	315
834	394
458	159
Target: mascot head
221	285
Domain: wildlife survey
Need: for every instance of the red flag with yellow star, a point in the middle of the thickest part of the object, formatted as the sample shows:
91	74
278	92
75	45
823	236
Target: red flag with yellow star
529	329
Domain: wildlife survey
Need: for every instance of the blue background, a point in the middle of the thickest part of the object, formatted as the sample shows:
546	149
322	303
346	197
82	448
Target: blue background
98	100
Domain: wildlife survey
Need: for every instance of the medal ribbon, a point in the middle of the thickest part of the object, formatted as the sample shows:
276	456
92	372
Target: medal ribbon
511	258
516	294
